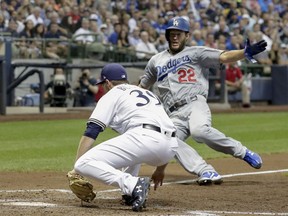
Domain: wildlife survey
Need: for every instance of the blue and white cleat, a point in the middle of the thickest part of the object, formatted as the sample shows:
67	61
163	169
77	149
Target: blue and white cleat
253	159
208	178
140	194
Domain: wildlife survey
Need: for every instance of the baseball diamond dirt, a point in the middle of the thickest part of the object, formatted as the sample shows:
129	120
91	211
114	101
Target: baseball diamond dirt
245	191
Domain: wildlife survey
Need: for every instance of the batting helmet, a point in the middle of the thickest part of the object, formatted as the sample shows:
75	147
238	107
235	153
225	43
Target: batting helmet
178	23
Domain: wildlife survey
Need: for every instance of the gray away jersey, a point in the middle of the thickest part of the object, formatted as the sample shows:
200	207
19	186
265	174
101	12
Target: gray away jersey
127	106
182	75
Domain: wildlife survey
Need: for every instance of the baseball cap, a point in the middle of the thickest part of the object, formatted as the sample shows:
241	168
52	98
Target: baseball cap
103	26
112	71
245	16
93	17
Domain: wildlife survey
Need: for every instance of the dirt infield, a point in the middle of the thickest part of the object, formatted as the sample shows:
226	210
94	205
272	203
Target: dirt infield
245	191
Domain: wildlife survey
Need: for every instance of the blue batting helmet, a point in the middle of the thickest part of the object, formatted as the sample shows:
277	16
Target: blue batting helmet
178	23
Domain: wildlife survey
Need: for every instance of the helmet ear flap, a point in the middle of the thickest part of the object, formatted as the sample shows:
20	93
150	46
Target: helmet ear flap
167	35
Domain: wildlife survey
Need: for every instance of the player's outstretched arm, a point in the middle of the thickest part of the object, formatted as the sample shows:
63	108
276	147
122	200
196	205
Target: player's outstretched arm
249	51
232	56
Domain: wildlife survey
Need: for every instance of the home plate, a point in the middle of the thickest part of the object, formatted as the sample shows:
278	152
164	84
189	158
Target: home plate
39	204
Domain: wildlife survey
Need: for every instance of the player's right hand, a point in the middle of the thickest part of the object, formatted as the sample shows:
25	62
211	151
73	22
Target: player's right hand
157	178
254	49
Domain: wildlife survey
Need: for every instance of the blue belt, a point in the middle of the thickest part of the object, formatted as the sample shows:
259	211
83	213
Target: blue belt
158	129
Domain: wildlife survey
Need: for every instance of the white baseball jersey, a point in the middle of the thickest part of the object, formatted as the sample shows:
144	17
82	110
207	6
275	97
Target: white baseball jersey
185	73
125	108
117	110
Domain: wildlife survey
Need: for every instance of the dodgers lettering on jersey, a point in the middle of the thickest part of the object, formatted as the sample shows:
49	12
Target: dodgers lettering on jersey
171	67
182	75
127	106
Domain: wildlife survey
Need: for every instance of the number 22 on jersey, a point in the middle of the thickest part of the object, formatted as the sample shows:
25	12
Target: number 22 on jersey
186	75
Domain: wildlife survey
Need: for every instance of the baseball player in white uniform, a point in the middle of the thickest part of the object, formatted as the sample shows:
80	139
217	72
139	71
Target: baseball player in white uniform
181	77
147	135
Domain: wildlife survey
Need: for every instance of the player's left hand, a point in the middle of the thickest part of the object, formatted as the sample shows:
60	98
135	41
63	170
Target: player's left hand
80	186
157	178
254	49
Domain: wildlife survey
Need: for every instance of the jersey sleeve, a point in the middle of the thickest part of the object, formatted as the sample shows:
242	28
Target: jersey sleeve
209	57
150	75
105	109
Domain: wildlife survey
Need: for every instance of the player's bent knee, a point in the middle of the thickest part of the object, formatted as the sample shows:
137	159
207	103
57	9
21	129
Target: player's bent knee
199	132
78	166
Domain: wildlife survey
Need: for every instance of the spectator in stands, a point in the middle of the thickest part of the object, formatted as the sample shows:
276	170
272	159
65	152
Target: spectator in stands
12	28
38	33
113	38
263	57
134	37
161	43
236	81
283	54
233	43
197	37
70	19
133	21
56	47
4	10
97	48
25	8
221	40
27	48
103	35
17	16
87	39
145	49
67	23
284	34
123	41
35	16
84	14
210	41
153	35
83	35
223	30
2	23
232	18
145	25
54	18
160	25
85	89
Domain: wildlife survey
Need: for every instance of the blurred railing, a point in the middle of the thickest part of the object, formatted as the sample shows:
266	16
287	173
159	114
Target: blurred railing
36	48
97	50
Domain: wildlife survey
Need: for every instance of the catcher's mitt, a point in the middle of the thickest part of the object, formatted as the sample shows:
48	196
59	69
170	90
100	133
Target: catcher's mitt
80	186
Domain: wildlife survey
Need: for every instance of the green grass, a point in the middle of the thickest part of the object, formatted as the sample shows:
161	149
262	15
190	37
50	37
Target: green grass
52	145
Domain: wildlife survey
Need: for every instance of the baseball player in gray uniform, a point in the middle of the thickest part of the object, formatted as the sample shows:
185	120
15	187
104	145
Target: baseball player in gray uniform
147	135
181	77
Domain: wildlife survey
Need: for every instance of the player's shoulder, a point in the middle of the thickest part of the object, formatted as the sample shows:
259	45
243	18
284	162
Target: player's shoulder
160	54
199	48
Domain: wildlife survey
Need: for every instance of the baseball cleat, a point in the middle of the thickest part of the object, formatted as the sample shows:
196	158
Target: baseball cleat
208	178
140	194
253	159
126	200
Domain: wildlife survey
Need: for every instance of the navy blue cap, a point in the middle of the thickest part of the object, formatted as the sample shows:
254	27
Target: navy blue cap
112	71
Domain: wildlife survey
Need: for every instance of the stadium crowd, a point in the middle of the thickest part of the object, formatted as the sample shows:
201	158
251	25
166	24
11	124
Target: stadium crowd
139	25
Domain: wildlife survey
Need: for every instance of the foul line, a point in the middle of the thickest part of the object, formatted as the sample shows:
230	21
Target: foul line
167	183
218	213
195	213
233	175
